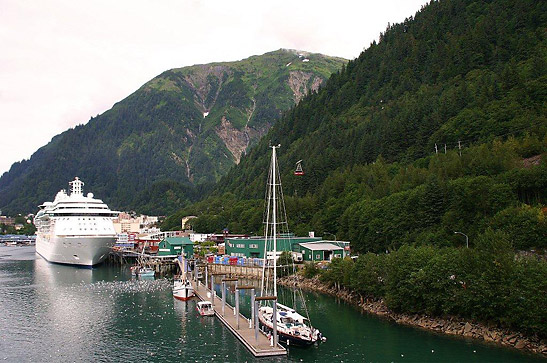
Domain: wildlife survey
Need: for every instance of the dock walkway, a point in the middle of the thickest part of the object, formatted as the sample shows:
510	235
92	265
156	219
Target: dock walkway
260	347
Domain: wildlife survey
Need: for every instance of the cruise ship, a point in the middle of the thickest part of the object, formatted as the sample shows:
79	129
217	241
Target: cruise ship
75	229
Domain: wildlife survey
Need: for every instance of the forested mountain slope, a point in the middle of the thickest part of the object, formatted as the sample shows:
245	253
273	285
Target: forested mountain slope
458	70
460	73
471	75
161	146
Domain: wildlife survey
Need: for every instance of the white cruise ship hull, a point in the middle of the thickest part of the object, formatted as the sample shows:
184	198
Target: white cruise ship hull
75	250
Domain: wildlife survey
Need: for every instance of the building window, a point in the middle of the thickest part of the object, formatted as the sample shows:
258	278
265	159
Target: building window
253	245
240	245
317	256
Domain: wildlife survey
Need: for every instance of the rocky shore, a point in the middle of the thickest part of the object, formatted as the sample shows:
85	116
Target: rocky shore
449	325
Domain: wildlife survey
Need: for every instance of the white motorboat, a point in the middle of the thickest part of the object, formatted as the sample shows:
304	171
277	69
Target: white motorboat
205	308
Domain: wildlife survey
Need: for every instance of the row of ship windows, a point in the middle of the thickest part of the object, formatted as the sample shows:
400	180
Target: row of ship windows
80	207
85	229
80	214
83	219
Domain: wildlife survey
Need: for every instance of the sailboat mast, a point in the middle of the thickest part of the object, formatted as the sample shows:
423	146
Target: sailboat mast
274	216
183	266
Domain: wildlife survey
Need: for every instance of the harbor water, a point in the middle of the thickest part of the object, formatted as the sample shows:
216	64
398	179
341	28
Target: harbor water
55	313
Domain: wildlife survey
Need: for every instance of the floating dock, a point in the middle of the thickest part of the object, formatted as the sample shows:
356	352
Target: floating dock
258	344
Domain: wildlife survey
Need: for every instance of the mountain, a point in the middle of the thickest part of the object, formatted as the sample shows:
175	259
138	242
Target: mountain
458	71
429	154
168	141
429	131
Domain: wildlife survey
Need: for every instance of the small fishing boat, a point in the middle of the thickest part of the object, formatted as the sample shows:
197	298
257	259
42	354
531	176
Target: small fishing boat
142	271
182	287
205	308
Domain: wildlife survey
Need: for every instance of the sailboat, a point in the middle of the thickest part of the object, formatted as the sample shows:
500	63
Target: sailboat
182	287
293	328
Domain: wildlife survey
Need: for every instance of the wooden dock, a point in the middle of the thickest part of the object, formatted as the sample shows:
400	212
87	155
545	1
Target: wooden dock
260	347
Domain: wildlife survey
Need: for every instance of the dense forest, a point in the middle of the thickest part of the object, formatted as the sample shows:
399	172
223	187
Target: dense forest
166	144
438	128
383	205
487	283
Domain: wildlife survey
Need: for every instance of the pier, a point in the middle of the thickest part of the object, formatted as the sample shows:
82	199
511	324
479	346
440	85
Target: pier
254	340
161	264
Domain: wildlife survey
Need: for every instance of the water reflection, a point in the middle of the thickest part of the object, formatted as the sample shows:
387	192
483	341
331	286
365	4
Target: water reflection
53	313
68	311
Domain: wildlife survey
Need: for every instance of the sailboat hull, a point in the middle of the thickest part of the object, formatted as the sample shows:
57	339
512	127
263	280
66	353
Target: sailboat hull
184	292
288	339
184	296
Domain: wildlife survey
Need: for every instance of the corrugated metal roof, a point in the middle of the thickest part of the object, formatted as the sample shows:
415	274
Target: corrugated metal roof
176	241
321	246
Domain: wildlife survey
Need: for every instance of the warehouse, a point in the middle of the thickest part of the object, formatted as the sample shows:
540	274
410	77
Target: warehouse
254	246
172	246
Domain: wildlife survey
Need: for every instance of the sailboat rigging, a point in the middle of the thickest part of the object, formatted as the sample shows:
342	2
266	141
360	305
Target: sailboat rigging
293	328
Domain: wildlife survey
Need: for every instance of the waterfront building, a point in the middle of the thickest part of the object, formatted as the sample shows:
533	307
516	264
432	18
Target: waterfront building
171	246
219	238
254	246
310	248
125	223
8	221
323	250
199	237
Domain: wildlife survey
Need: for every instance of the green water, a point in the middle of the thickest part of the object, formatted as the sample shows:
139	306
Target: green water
53	313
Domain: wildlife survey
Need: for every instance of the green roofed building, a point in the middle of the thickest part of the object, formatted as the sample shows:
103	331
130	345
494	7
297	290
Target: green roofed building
324	250
172	246
254	246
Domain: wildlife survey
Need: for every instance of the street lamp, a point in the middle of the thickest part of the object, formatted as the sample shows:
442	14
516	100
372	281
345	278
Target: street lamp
332	234
466	238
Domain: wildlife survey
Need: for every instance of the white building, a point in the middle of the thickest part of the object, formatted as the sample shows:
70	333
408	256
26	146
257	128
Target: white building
199	237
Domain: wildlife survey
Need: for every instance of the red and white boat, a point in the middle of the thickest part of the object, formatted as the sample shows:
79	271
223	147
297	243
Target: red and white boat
182	287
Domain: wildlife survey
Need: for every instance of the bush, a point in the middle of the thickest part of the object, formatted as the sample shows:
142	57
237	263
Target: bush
486	283
310	270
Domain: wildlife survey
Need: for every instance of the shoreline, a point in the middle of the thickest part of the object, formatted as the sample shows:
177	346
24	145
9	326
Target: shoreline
449	325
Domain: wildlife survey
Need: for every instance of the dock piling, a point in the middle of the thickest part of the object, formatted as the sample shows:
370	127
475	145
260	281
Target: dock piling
236	311
235	290
255	318
223	296
252	308
274	324
206	277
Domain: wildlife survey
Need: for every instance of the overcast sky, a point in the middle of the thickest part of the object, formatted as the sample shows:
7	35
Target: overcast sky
63	61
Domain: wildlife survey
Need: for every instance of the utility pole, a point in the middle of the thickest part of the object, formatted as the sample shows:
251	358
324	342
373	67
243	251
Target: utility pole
445	148
436	151
460	147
